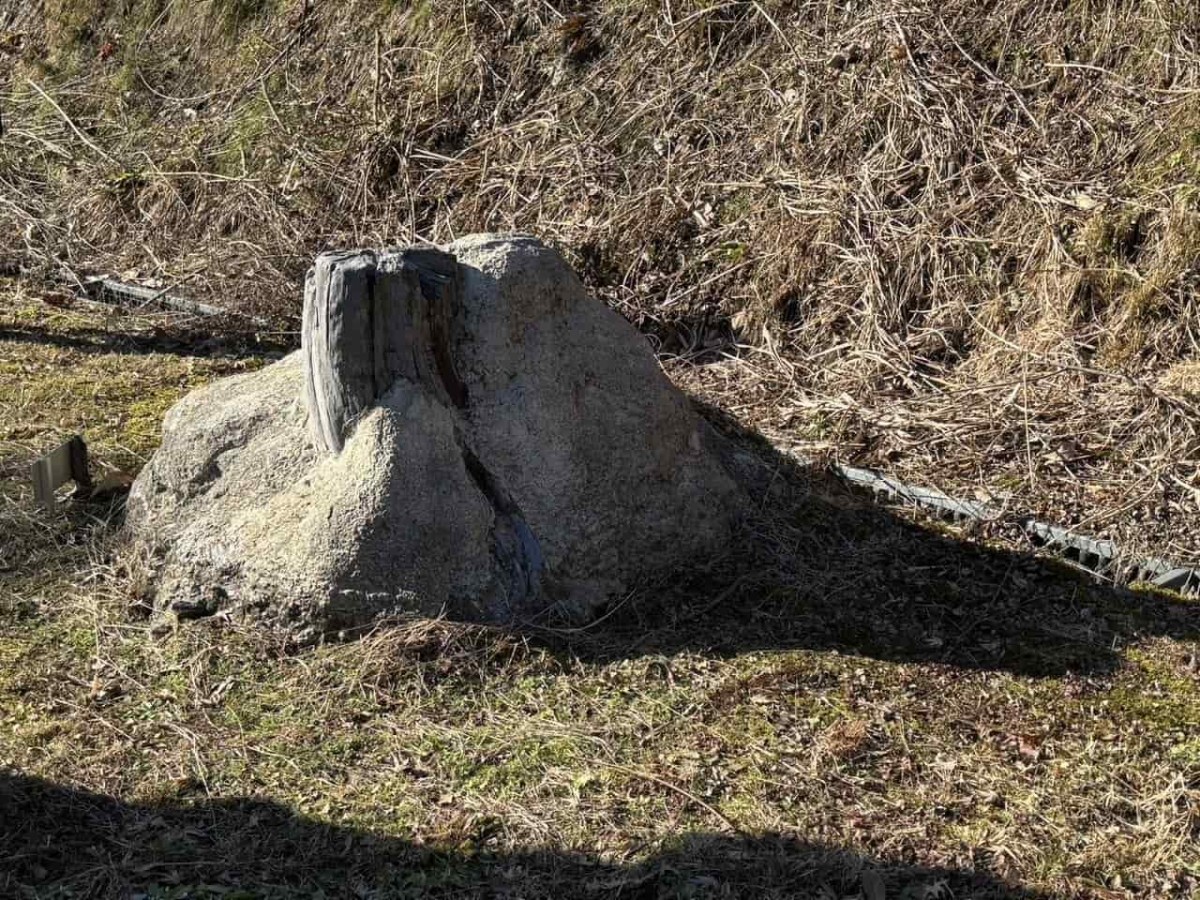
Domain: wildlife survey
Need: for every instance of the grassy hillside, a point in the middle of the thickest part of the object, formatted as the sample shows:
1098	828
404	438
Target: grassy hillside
956	239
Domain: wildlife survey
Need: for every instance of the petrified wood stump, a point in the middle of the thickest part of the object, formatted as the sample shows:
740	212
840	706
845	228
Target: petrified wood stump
370	318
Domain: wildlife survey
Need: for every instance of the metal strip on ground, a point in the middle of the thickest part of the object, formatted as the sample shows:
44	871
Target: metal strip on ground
1098	556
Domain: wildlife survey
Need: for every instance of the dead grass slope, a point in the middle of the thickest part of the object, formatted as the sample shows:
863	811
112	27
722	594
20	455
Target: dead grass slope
958	239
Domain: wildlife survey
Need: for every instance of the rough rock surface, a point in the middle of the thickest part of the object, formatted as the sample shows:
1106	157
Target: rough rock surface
468	434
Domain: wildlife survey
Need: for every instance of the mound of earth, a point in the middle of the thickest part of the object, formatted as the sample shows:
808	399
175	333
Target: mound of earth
464	432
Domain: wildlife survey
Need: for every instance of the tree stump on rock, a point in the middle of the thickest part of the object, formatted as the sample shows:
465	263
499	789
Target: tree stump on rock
370	318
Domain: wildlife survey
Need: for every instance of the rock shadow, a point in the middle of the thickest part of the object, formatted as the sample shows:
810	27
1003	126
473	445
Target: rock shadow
818	565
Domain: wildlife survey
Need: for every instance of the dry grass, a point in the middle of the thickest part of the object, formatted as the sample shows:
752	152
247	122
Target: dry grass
955	239
952	239
843	703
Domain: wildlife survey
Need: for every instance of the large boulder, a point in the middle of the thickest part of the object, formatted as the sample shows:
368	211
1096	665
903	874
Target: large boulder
464	432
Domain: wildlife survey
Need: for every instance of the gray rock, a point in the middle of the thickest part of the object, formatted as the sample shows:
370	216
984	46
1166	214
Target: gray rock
464	432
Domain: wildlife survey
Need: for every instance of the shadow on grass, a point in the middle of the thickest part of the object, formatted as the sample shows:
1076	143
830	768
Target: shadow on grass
176	341
819	566
58	841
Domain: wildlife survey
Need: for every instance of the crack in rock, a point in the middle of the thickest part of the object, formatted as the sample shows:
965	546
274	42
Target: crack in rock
517	550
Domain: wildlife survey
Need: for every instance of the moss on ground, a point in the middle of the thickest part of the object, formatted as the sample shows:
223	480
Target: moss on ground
107	376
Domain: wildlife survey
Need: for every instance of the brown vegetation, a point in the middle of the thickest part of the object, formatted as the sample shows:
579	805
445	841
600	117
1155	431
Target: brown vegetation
954	239
958	240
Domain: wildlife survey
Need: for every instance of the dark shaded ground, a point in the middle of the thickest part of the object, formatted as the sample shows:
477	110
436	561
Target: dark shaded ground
59	841
819	566
180	342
